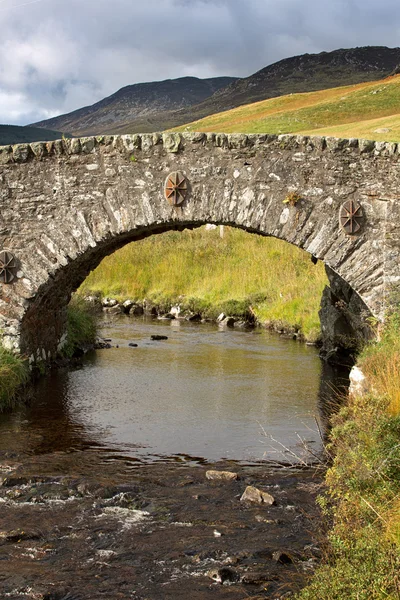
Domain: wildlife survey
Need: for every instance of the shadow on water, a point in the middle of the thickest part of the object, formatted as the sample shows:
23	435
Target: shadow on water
203	395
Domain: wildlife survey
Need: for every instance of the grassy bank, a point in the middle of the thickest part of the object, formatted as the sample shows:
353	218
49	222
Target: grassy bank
81	327
14	371
367	110
13	374
205	273
362	499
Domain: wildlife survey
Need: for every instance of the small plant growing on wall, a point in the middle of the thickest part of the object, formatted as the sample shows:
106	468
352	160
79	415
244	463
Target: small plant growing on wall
292	199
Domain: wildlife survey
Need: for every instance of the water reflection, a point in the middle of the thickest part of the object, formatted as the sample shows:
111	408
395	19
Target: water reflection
204	392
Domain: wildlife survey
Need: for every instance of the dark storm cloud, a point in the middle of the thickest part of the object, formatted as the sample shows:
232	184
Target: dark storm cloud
58	55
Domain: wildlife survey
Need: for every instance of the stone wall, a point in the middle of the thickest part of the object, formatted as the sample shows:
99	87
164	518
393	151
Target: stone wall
64	205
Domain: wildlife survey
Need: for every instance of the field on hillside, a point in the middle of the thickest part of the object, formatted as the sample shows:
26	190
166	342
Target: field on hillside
367	110
277	280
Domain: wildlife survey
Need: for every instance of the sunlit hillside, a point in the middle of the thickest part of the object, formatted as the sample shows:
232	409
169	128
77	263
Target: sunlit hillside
367	110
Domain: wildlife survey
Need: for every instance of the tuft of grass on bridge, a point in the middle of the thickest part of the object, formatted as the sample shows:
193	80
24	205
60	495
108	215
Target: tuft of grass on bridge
210	274
362	497
13	374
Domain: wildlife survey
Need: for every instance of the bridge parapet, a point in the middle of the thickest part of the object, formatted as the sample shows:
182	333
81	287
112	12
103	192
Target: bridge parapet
176	142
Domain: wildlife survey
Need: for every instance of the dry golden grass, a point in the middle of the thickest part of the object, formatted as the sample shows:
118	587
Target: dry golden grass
349	111
381	363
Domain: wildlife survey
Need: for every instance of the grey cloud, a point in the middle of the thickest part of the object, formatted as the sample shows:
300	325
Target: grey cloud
58	55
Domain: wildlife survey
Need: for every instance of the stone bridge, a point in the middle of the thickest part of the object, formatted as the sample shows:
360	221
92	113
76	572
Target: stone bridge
65	205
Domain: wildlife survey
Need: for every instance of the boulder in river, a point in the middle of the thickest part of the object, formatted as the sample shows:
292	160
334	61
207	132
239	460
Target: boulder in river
227	322
109	302
282	557
127	306
221	475
113	310
253	494
224	575
136	310
196	317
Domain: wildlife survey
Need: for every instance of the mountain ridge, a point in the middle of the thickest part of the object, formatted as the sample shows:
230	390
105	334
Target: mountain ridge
302	73
139	100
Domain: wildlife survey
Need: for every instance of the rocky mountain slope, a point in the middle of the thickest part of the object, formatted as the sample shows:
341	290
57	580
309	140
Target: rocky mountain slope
140	102
162	105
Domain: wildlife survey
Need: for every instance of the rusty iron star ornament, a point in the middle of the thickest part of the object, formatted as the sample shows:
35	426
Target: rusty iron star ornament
351	217
175	188
8	267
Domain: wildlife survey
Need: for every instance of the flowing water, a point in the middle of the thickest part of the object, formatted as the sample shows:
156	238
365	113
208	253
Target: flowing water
104	491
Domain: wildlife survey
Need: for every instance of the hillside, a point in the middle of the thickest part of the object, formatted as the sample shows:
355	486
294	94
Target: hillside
15	134
162	105
141	103
369	110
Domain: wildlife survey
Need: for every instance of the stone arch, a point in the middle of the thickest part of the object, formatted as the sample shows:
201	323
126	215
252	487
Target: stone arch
67	204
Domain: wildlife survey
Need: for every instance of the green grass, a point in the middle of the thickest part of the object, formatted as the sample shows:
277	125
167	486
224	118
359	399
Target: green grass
208	274
81	327
14	371
13	374
362	498
350	111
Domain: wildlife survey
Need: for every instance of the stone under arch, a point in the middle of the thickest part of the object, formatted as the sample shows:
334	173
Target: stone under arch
65	205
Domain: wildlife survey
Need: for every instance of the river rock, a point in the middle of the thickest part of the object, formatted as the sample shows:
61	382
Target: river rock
227	322
256	577
221	475
252	494
282	557
224	575
127	306
136	310
113	310
109	302
196	317
132	345
358	382
17	535
102	344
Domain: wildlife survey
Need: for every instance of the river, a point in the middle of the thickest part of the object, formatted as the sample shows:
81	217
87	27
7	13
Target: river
105	493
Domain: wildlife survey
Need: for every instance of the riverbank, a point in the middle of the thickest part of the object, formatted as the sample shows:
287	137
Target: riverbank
14	374
361	500
239	274
14	369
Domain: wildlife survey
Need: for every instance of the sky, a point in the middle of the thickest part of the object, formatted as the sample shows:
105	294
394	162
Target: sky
59	55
